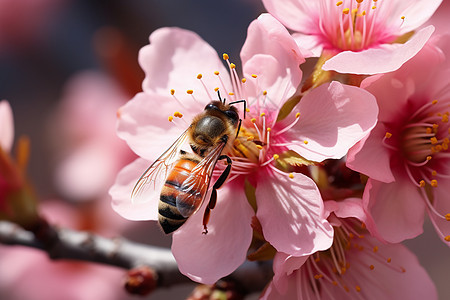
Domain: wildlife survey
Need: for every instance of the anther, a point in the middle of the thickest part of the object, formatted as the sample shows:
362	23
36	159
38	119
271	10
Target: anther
231	93
305	142
172	92
372	267
388	135
291	175
190	92
254	75
262	114
177	114
268	129
232	66
264	93
216	73
244	80
433	140
318	276
225	56
447	238
247	110
297	115
375	249
170	118
276	156
339	3
216	89
259	147
250	138
253	120
434	102
359	1
429	157
389	260
358	288
199	76
434	183
346	11
447	217
422	183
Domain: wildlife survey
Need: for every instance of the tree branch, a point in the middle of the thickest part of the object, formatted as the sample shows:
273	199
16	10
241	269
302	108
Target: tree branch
85	246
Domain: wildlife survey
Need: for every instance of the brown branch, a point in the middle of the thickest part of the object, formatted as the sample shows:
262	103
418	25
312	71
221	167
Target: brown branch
84	246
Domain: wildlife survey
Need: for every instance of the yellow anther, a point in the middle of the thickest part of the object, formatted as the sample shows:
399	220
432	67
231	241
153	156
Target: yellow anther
375	249
434	102
262	114
447	238
254	75
177	114
232	66
445	118
199	76
253	120
244	80
447	217
247	109
433	140
402	17
422	183
435	126
276	156
297	115
305	142
363	225
170	118
351	235
268	129
359	1
363	13
434	183
259	147
231	93
373	7
429	130
339	3
346	11
318	276
434	173
250	138
225	56
216	73
172	91
429	157
291	175
334	282
388	135
264	93
372	267
389	260
354	11
190	92
216	89
358	288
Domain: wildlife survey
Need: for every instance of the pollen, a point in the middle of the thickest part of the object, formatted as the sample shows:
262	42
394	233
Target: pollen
170	118
190	92
388	135
434	183
291	175
216	73
199	76
225	56
172	92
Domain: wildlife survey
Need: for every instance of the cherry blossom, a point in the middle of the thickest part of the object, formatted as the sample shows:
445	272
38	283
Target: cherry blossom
406	155
357	266
359	36
183	74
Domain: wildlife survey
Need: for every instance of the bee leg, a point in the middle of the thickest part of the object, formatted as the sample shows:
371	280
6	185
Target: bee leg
213	200
239	128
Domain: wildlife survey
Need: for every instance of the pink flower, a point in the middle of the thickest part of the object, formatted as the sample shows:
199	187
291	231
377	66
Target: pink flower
324	125
357	266
360	35
406	156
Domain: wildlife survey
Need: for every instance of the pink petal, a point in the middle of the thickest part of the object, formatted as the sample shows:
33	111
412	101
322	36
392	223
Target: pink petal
208	257
310	45
385	58
173	60
271	53
284	265
298	15
6	126
291	214
333	118
370	157
121	194
416	13
397	209
147	130
347	208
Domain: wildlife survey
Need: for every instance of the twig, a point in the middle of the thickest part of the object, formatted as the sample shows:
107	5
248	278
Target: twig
84	246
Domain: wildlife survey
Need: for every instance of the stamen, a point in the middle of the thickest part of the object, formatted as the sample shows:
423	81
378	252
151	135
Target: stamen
297	116
199	77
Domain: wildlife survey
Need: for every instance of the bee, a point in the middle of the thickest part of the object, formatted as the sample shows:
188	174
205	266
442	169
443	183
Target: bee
184	177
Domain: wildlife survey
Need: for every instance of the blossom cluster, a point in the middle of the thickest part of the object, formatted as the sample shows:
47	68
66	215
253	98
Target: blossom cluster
330	171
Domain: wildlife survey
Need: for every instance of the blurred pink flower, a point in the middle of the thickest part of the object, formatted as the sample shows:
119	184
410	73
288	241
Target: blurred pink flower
30	274
406	156
326	123
6	126
357	266
360	35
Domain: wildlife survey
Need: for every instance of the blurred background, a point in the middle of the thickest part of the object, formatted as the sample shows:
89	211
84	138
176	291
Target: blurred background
65	67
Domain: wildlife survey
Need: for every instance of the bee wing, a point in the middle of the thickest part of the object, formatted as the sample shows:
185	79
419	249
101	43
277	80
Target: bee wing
154	177
196	184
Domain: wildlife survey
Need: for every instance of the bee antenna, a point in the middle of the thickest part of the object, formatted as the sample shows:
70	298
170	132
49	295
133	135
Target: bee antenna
241	101
220	98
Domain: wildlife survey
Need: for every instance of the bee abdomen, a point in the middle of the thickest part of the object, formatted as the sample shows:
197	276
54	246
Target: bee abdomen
169	217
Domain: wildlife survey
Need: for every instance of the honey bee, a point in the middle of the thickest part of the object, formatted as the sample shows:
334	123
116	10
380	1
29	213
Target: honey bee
184	177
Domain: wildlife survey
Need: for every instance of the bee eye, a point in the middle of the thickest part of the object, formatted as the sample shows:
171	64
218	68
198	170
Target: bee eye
210	106
232	114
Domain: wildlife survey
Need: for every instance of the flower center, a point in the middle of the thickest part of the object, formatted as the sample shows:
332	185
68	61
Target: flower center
354	24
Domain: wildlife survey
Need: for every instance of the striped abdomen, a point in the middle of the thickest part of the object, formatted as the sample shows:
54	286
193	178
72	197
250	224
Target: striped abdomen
170	217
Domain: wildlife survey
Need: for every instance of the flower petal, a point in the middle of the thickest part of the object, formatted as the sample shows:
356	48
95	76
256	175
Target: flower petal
121	194
298	15
370	157
397	210
173	60
333	118
291	214
6	126
386	58
271	53
208	257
